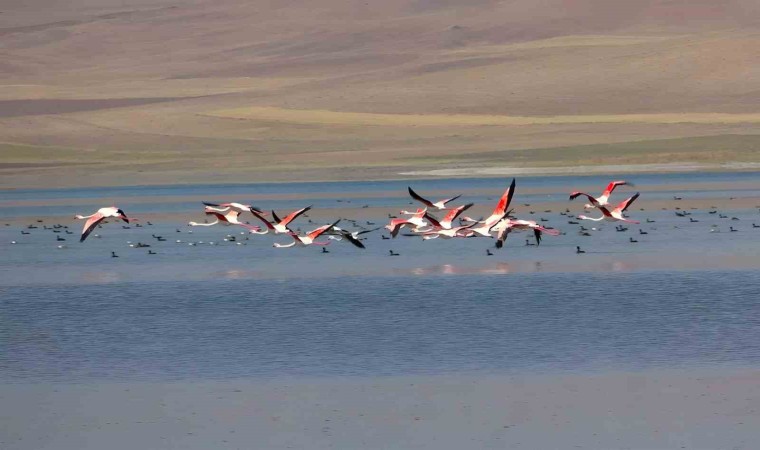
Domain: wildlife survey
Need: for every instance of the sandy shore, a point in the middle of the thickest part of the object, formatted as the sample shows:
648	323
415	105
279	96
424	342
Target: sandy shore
644	410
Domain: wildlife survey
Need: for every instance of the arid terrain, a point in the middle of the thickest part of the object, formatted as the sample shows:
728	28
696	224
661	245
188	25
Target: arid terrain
98	92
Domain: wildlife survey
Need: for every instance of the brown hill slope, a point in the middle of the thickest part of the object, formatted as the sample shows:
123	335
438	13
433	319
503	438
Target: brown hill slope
152	90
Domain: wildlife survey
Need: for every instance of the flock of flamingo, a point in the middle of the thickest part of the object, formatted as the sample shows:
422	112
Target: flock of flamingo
420	222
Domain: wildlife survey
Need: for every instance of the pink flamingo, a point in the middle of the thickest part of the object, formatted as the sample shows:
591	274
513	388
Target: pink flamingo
94	219
418	220
498	212
616	215
308	238
239	207
603	199
440	204
231	216
507	225
280	226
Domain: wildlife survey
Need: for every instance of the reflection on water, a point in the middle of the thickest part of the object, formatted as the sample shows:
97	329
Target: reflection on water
450	269
380	325
99	277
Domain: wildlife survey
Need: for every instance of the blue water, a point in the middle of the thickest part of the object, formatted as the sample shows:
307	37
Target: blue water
684	295
380	325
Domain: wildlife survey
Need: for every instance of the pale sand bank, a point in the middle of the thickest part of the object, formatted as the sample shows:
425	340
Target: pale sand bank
646	410
586	170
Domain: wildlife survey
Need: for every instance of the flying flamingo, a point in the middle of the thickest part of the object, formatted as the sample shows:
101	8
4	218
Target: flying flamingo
239	207
603	199
231	216
439	230
440	204
94	219
418	220
308	238
453	213
352	236
498	212
612	216
507	225
280	226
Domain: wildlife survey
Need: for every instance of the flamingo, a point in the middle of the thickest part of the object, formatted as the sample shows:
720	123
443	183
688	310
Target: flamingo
418	220
440	204
280	226
352	236
498	212
231	216
453	213
438	230
94	219
239	207
603	199
616	214
507	225
309	238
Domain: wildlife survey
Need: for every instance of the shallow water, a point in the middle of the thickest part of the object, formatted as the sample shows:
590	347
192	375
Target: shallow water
684	295
380	325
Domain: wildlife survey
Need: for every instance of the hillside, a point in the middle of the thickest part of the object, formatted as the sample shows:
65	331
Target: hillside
159	91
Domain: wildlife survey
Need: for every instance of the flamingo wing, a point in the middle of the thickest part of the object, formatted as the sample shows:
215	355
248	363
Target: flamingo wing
259	216
417	197
611	187
590	198
368	231
501	237
454	213
504	201
290	217
395	225
313	234
450	199
626	203
352	239
122	215
435	222
90	225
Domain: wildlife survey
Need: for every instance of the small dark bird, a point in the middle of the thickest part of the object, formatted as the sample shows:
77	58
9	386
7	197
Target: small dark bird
324	250
392	253
632	240
578	250
151	252
114	255
488	252
642	231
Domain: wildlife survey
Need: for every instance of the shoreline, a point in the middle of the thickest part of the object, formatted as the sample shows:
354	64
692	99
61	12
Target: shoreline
438	174
674	408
